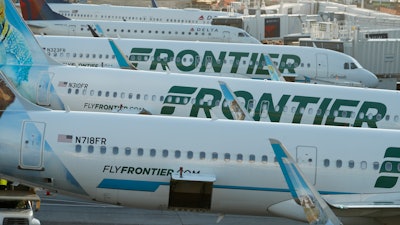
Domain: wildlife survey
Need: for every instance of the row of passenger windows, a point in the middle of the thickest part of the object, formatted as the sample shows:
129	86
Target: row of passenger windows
155	32
250	105
177	59
130	18
252	158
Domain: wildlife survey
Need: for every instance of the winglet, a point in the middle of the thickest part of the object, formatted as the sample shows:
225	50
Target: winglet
238	112
39	10
273	71
315	208
122	60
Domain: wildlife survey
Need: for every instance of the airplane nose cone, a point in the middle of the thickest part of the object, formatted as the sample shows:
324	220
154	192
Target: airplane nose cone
371	81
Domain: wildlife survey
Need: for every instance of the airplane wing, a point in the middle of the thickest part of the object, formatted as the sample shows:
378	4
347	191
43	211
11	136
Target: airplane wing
315	208
36	24
365	201
333	81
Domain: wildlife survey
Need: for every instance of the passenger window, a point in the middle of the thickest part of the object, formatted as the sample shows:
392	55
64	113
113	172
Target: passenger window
122	94
99	93
338	163
78	148
202	155
107	93
69	90
115	94
128	151
388	166
115	150
376	165
130	96
152	152
103	149
252	158
227	157
214	156
140	151
177	154
165	153
190	155
363	165
239	157
351	164
90	149
264	159
326	162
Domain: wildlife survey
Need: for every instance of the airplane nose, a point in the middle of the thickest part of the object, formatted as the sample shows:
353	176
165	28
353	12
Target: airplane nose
372	80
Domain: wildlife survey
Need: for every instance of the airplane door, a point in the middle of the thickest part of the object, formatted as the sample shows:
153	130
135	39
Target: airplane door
31	151
71	30
43	89
322	65
306	157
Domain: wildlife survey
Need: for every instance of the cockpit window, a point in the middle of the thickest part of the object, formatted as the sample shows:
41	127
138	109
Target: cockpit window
353	66
242	34
346	66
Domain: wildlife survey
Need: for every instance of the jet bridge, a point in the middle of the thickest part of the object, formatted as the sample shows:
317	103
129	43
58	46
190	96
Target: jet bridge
191	191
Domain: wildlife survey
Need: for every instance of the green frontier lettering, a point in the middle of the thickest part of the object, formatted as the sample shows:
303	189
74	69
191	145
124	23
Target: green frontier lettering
189	60
389	169
337	112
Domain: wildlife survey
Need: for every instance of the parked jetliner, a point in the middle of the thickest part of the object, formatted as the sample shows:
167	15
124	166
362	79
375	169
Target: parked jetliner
222	59
157	162
46	82
43	22
137	14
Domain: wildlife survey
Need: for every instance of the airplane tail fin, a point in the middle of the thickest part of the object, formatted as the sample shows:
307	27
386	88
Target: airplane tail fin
21	47
154	4
10	95
39	10
315	208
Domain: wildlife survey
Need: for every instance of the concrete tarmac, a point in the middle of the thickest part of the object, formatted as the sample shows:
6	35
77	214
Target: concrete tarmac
58	209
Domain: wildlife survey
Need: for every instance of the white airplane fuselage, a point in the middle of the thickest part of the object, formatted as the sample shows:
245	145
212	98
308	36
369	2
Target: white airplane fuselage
129	159
216	59
153	30
115	90
138	14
